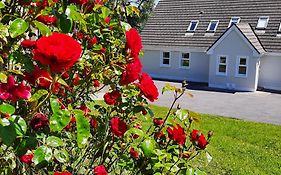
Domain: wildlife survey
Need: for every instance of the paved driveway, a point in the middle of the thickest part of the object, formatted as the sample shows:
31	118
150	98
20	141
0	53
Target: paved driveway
256	106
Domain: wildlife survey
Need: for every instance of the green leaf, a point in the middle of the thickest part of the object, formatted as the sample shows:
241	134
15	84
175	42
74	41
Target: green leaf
42	154
18	27
60	118
3	77
132	10
189	171
126	26
83	128
199	172
147	147
2	5
62	82
54	141
20	124
7	108
168	87
61	156
65	23
7	131
104	12
38	95
43	28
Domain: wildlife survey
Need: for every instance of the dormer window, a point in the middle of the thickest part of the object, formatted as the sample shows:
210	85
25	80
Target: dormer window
262	23
192	26
213	25
234	20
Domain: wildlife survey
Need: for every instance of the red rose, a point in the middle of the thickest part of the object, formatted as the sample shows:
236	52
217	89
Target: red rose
40	76
100	2
14	92
133	42
134	153
93	41
118	127
80	2
38	121
100	170
111	98
148	87
194	135
158	121
59	51
107	20
27	43
62	173
47	19
132	72
96	83
85	109
76	79
93	123
27	158
176	133
198	139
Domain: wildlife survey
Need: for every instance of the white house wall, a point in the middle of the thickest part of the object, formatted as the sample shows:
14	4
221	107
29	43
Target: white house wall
270	72
232	47
198	71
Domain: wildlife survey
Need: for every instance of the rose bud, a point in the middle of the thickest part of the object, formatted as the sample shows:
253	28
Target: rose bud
27	158
38	121
158	121
134	153
107	20
100	170
93	41
96	83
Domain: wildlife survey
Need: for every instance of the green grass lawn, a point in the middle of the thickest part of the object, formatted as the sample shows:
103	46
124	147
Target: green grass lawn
240	147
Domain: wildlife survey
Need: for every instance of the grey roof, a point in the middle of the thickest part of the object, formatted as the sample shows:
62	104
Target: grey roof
171	18
248	32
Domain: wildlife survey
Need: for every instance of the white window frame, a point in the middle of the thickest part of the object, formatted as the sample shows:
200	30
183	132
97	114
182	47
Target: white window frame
231	20
265	24
238	65
218	65
279	30
217	24
162	59
181	58
188	29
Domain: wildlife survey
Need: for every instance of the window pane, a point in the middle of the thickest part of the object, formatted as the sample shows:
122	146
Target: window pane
262	23
166	61
213	25
193	25
166	54
223	60
243	61
185	63
222	68
185	55
242	70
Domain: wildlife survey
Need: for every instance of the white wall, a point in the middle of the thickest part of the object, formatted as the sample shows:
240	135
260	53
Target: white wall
270	72
198	71
233	46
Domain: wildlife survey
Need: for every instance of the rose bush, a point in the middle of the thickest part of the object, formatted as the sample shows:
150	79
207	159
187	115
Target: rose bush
56	56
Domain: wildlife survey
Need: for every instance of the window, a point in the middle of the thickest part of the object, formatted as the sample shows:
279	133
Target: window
279	30
241	70
213	25
184	60
192	26
262	23
222	65
165	61
234	20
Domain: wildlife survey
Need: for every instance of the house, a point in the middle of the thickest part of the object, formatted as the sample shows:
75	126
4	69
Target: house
229	44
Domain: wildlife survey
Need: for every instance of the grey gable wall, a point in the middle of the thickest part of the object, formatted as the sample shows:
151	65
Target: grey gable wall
232	46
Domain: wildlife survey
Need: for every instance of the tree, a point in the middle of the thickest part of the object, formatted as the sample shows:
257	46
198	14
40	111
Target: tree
145	7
